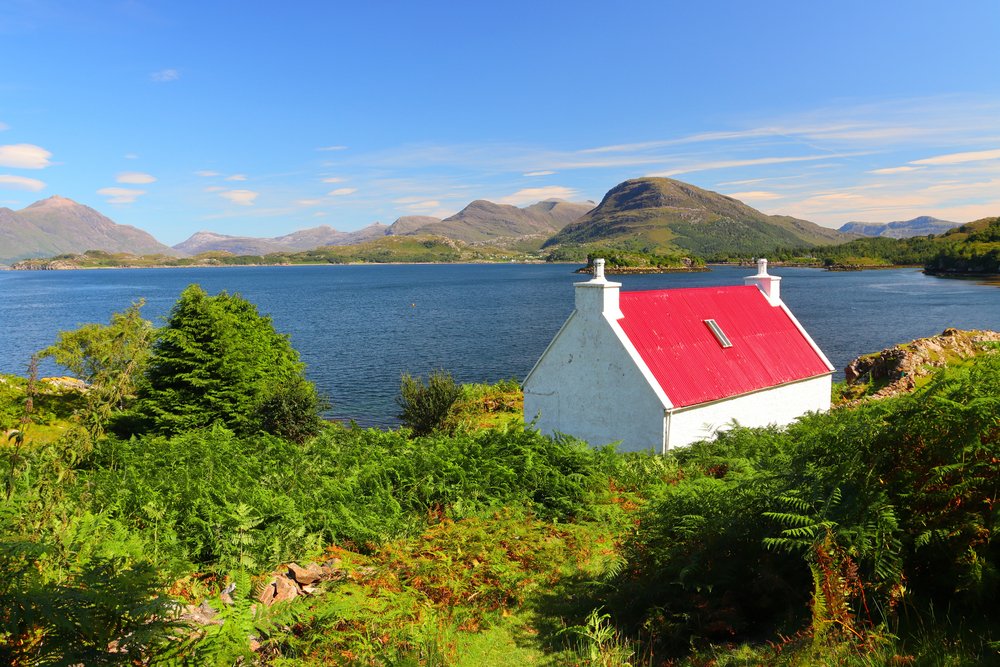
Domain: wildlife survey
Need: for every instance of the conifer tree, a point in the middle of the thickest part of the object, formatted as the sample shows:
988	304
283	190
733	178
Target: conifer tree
218	360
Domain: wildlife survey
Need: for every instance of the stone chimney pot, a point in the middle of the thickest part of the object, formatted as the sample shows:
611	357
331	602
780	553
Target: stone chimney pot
766	283
598	296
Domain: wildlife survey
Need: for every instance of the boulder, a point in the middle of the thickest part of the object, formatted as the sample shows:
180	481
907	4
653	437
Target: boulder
307	575
284	589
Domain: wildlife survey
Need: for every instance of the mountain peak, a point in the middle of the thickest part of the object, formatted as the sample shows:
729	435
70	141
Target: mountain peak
58	225
55	201
670	215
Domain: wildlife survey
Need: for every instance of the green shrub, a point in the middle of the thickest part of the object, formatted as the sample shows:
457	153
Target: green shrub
425	407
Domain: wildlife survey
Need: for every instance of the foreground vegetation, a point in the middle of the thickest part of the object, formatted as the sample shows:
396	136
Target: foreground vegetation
863	536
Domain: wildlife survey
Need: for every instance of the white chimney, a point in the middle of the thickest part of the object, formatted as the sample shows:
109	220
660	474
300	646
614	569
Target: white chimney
768	284
597	296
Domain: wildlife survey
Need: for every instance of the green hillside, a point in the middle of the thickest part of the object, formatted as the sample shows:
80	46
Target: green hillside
971	248
668	215
387	249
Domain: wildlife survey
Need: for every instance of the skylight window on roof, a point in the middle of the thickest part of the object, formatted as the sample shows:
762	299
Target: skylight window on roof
719	335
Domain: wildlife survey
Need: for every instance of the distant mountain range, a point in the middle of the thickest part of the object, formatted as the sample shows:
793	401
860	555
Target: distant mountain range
921	226
480	221
483	221
304	239
668	214
58	225
658	214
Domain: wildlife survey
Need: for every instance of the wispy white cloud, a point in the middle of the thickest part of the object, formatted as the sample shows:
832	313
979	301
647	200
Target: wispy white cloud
532	195
341	192
543	172
130	156
121	195
754	181
135	178
308	202
240	197
236	177
728	164
207	173
4	126
959	158
756	195
333	179
165	75
893	170
8	182
24	156
425	207
214	188
332	148
868	130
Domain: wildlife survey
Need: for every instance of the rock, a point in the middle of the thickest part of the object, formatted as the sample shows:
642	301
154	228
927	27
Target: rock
897	368
203	614
66	383
279	589
266	596
306	575
284	589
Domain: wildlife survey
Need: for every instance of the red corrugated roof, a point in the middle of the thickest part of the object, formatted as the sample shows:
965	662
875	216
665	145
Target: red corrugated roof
668	329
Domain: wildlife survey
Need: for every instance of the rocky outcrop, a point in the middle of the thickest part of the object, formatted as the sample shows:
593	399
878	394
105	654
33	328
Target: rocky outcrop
294	580
896	370
286	583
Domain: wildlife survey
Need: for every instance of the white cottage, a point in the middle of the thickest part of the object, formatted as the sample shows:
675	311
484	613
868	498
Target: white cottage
664	368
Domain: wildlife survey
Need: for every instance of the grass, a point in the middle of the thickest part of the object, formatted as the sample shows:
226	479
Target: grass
483	406
52	413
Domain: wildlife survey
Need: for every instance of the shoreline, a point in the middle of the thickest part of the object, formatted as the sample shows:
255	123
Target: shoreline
258	265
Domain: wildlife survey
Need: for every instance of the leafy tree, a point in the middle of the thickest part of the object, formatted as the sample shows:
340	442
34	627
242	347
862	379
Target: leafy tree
218	360
425	407
110	358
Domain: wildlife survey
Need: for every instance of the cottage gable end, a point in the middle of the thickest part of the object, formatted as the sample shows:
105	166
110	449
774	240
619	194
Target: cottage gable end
591	377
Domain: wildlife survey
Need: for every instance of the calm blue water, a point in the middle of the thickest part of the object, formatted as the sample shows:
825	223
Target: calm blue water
358	328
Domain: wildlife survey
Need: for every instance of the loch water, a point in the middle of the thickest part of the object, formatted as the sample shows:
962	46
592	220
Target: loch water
358	328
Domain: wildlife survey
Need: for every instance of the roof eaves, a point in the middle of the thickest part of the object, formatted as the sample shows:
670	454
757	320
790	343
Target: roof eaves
722	399
805	334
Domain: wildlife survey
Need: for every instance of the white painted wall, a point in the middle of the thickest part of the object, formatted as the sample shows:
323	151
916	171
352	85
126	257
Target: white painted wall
780	405
587	385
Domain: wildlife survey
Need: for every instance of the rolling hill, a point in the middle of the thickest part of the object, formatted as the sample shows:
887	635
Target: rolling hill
661	214
58	225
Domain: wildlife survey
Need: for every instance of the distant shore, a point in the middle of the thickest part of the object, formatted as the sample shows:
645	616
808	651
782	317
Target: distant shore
71	267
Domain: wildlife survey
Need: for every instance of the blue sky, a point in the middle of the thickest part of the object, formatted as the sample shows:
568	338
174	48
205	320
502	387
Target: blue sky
260	118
